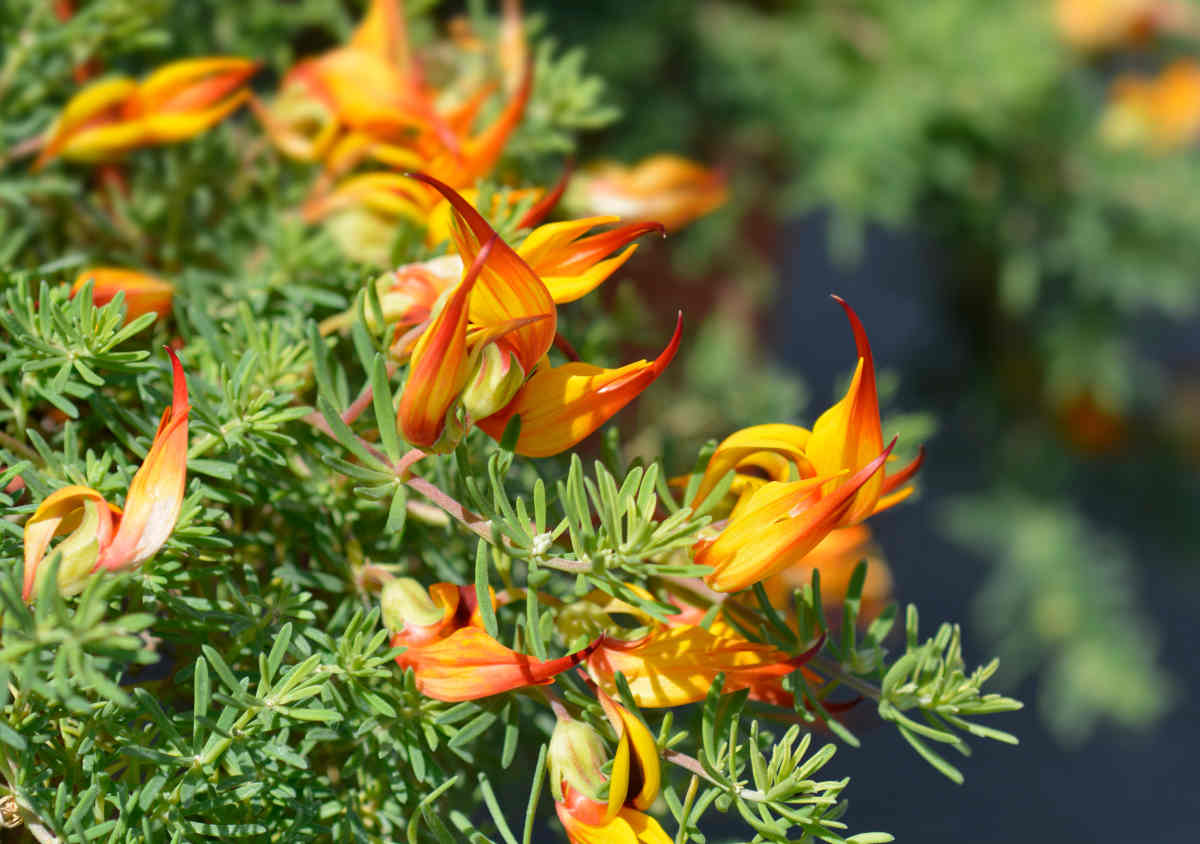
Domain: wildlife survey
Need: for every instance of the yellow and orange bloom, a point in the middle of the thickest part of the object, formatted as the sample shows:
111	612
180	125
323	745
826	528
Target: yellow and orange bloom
1162	113
144	293
667	188
577	780
676	664
676	661
102	536
502	300
452	656
836	479
368	100
1105	24
178	101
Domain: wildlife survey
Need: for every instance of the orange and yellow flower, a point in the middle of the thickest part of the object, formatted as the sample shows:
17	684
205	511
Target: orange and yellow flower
144	294
369	100
677	660
1162	113
102	536
176	102
452	656
667	188
502	301
577	780
839	480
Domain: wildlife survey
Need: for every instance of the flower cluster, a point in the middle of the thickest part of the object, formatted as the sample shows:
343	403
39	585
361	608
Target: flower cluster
647	594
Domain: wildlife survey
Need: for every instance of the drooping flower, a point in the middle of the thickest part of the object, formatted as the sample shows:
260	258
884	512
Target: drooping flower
667	188
144	294
674	661
452	656
502	300
176	102
815	482
577	781
102	536
677	664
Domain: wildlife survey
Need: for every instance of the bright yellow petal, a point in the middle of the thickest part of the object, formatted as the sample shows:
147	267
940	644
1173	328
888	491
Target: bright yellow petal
96	102
102	142
645	827
61	512
787	440
672	666
170	126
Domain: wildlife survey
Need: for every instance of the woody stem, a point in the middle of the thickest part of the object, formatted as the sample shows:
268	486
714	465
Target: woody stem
692	765
837	672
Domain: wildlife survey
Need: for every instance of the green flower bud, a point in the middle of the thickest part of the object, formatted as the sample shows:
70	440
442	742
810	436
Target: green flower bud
493	383
577	755
406	602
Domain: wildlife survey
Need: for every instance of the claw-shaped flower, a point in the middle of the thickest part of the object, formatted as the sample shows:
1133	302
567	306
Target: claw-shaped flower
576	780
452	656
176	102
101	535
667	188
144	294
839	480
502	300
676	661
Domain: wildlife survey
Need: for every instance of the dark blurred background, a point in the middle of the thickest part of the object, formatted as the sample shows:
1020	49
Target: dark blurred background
1006	191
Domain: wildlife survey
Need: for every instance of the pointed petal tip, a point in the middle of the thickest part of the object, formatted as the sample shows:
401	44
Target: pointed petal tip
542	208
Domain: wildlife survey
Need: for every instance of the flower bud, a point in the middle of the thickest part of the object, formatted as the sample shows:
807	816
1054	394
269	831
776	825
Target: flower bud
495	381
406	603
577	757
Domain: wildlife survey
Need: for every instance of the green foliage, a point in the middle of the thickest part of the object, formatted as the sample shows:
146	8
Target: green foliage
1062	600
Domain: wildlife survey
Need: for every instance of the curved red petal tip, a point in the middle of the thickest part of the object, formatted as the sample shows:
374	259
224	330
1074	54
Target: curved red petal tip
802	658
860	333
668	354
540	209
458	202
900	478
179	399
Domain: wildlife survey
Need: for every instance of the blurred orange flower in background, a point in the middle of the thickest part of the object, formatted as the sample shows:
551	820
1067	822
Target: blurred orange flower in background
1161	112
667	188
177	101
144	293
